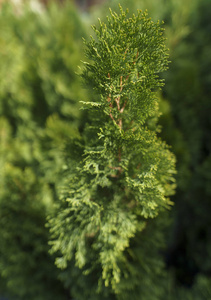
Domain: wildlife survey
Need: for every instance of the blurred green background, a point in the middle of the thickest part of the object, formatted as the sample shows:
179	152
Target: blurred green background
40	92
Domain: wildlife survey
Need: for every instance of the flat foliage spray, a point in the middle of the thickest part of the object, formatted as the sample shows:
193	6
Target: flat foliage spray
120	173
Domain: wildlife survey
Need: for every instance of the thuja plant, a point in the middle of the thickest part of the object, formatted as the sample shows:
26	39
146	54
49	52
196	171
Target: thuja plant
120	173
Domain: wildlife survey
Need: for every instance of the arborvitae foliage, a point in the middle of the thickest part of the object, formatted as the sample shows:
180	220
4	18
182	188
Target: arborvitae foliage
188	89
122	175
39	56
39	91
25	198
175	13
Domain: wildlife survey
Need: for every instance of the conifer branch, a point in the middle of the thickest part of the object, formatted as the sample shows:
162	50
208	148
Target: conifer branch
142	165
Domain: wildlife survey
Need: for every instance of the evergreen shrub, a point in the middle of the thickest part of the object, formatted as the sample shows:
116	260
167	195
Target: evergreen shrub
105	232
39	91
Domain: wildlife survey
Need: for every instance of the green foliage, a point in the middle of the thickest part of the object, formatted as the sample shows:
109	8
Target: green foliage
125	174
188	90
25	199
39	93
200	291
175	13
41	54
107	162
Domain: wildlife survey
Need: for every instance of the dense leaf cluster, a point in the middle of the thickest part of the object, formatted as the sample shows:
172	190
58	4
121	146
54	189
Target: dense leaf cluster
107	163
39	94
125	175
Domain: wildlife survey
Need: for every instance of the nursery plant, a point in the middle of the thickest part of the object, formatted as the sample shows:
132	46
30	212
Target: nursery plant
119	173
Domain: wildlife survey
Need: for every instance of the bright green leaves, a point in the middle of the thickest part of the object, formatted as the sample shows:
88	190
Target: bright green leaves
127	55
125	175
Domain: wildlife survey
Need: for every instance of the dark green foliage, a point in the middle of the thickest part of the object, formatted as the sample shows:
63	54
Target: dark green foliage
125	175
188	89
201	290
